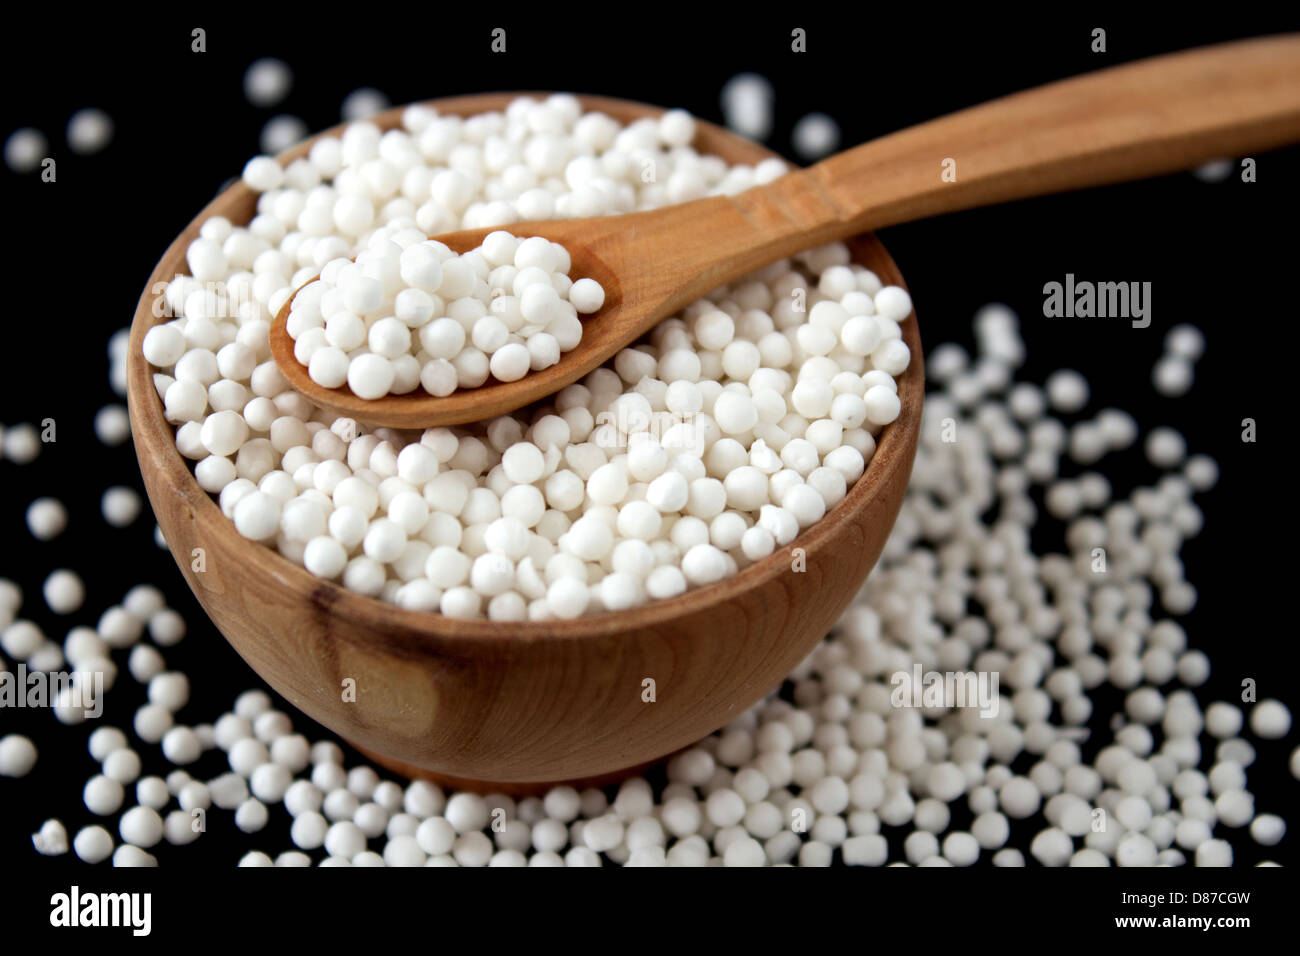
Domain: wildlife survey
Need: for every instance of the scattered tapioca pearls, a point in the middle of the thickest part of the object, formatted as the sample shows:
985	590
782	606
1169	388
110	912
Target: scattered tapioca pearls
409	312
52	839
93	844
737	782
693	454
267	81
64	591
363	102
46	518
733	799
89	131
1270	719
112	425
120	506
17	756
1067	391
815	136
1174	372
281	132
20	443
747	105
24	149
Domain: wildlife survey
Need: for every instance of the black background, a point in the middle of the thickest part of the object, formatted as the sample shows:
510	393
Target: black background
78	252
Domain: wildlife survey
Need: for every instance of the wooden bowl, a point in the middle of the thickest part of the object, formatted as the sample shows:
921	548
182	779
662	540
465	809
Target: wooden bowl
508	704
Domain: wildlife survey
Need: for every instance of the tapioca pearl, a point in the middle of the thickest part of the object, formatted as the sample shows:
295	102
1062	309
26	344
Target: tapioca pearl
874	378
303	315
539	303
780	522
684	398
893	302
804	503
669	492
725	455
848	410
328	367
891	357
383	541
800	456
589	538
688	531
567	331
812	398
164	345
389	337
647	458
472	368
325	556
639	520
766	460
740	360
443	338
861	335
816	340
206	260
757	543
714	330
705	564
825	435
511	362
539	281
415	307
370	376
567	598
227	395
543	351
1270	719
707	498
608	484
746	488
488	333
726	530
197	365
882	405
586	295
830	484
633	556
735	412
345	331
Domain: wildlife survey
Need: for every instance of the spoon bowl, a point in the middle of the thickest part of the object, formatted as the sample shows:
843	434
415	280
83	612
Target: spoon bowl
507	706
603	333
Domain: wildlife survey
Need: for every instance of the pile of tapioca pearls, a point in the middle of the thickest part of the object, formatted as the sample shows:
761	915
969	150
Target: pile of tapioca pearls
831	769
409	312
692	454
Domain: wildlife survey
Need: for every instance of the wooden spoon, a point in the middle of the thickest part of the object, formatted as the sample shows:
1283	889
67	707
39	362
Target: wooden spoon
1127	122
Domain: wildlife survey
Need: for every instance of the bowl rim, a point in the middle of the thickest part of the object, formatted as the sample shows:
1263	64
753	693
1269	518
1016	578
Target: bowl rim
154	438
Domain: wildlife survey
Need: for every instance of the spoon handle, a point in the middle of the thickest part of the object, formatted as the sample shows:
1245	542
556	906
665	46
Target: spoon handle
1141	119
1127	122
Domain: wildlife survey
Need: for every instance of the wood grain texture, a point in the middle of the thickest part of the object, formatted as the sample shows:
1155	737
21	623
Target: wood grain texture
513	704
1154	116
1126	122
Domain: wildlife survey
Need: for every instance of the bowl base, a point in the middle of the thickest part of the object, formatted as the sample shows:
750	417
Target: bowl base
514	789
